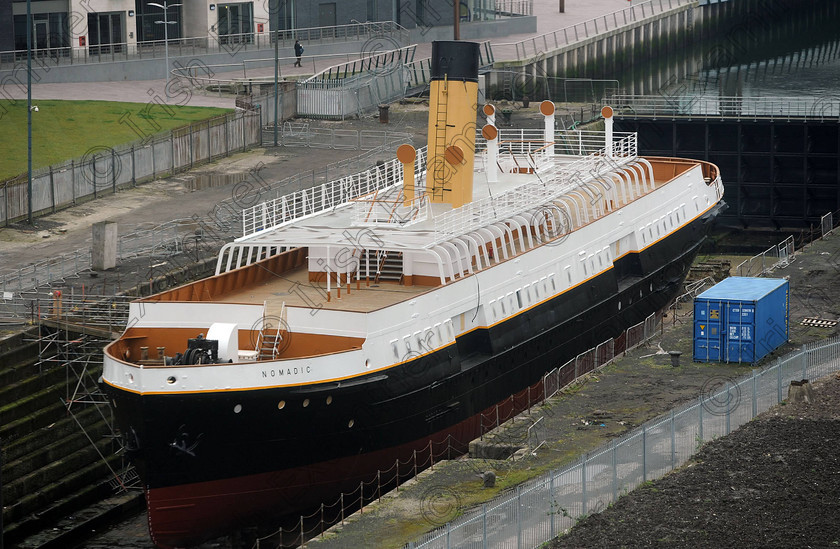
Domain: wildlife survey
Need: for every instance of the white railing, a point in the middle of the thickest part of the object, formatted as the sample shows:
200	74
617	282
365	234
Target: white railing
382	61
538	45
566	142
779	255
710	106
489	210
307	202
827	223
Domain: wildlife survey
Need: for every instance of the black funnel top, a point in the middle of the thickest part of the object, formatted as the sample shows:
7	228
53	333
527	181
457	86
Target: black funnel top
455	59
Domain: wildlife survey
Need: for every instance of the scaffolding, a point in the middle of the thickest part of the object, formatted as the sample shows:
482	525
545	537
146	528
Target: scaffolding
72	333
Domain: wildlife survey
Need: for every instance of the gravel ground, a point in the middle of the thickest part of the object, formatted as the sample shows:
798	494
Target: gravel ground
772	483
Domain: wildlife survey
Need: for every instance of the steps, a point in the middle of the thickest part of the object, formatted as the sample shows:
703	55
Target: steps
388	266
50	468
269	342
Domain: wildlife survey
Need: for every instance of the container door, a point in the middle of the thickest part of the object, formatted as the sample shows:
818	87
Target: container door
707	331
739	332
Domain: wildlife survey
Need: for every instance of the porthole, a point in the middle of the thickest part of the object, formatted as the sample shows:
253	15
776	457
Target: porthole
305	402
171	380
281	404
350	424
131	378
237	408
619	305
329	400
367	363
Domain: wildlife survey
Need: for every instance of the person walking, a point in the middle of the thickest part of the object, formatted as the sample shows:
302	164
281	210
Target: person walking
298	53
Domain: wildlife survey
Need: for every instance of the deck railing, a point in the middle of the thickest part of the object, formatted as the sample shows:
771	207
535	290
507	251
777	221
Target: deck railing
489	210
308	202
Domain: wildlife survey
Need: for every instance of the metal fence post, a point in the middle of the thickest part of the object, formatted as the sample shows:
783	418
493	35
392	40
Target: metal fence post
779	380
227	136
644	453
518	517
700	430
804	356
52	189
551	503
484	526
615	471
727	409
133	168
673	443
754	395
93	173
583	484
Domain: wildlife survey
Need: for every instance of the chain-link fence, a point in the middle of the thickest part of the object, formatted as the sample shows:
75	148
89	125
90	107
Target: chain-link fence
541	509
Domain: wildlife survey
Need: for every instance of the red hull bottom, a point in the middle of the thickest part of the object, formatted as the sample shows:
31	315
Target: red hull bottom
184	515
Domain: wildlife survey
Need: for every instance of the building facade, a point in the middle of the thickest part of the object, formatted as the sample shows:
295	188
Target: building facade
113	26
410	14
103	26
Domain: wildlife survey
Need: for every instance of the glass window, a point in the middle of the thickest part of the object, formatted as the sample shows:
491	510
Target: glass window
236	23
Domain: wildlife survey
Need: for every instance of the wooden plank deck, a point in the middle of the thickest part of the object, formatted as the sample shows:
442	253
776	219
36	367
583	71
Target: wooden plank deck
295	289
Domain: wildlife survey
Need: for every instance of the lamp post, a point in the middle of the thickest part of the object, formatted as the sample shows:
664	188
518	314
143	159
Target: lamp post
276	78
28	114
166	22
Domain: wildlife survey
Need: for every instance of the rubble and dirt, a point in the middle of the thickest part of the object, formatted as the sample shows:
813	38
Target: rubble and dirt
772	483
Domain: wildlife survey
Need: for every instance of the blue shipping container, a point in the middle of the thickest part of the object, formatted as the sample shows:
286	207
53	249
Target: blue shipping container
741	319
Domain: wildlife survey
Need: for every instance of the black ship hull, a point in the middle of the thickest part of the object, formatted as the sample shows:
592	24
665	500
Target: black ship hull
207	469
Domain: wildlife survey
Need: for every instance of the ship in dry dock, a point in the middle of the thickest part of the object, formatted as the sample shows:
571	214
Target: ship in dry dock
356	321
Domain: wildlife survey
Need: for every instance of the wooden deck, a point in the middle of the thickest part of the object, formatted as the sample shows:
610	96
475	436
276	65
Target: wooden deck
296	290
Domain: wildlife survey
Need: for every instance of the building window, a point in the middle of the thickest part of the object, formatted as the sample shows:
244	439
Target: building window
106	33
148	30
236	23
49	32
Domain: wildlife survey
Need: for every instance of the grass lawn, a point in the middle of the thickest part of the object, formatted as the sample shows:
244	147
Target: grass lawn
62	130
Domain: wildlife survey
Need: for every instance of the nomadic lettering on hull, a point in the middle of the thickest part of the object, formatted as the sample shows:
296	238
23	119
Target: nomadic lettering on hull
280	372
